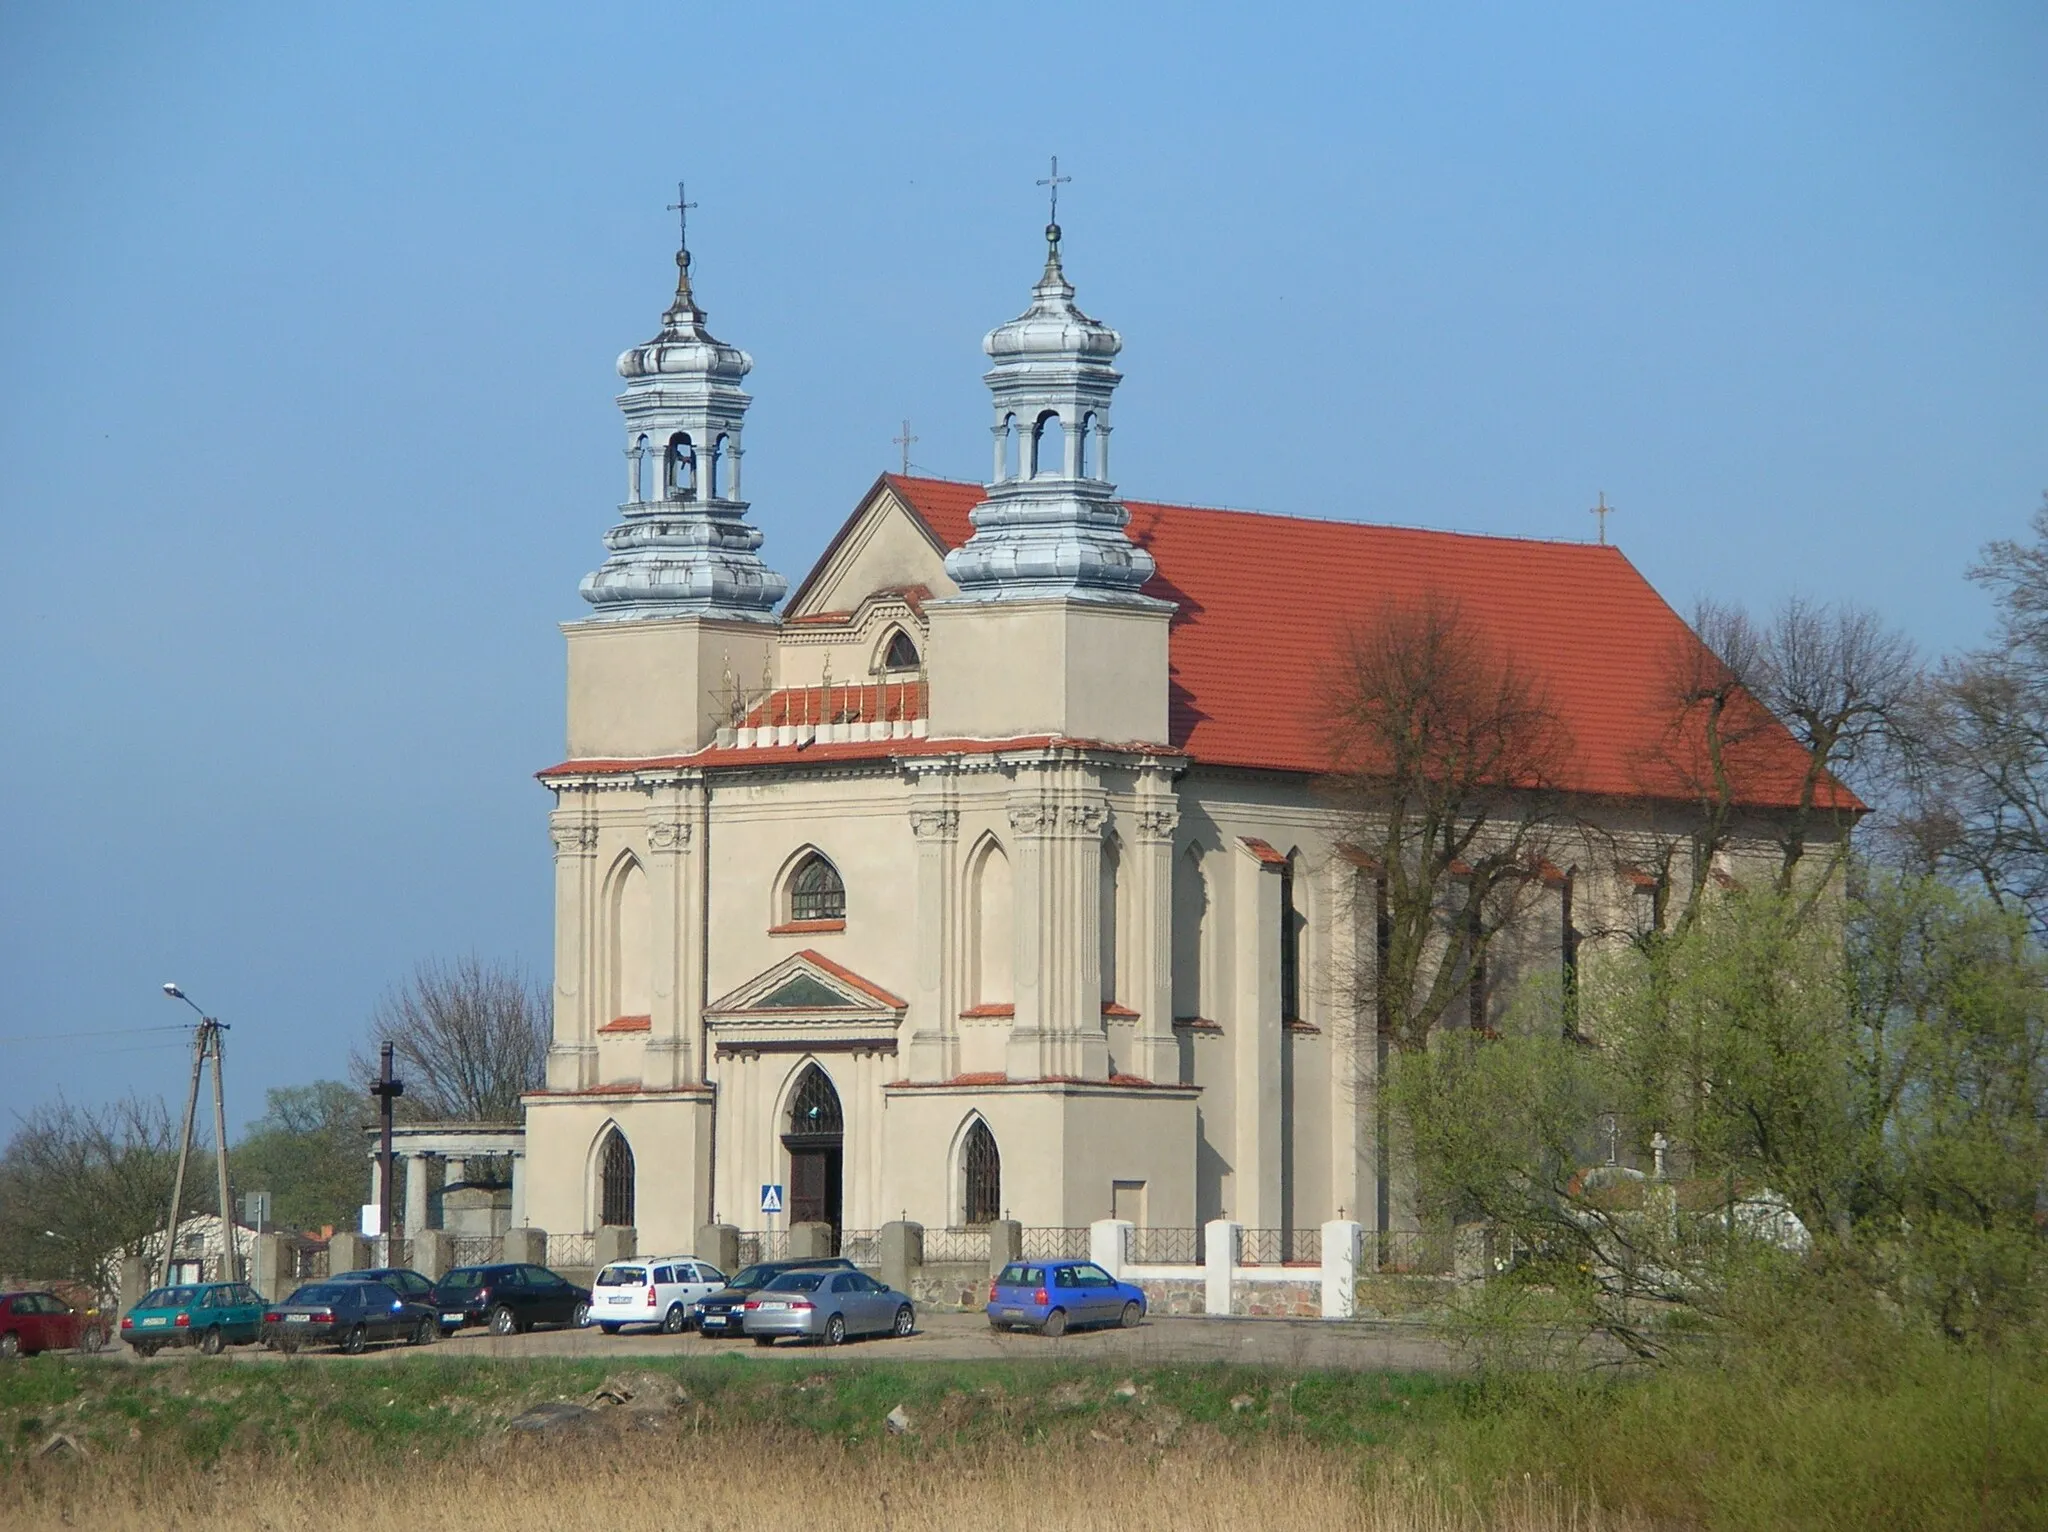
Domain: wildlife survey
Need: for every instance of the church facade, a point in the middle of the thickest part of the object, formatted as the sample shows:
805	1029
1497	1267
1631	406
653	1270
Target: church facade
987	875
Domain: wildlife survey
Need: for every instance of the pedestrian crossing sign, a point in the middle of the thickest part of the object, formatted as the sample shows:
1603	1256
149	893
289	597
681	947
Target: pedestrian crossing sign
771	1197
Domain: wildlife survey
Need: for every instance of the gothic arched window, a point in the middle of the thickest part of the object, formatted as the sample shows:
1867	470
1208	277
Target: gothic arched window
1048	446
682	468
816	891
901	653
615	1181
814	1108
981	1173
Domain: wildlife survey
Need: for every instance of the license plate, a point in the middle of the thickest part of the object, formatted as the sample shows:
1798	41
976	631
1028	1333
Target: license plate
156	1321
618	1300
298	1319
454	1319
1013	1313
712	1321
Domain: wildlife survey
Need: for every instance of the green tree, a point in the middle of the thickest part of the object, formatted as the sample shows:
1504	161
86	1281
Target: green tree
309	1151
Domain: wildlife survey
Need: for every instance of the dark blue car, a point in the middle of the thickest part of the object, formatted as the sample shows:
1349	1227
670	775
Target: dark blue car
1050	1296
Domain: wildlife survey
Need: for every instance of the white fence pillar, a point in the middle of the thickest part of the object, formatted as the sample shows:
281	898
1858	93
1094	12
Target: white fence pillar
1342	1244
1109	1245
1219	1260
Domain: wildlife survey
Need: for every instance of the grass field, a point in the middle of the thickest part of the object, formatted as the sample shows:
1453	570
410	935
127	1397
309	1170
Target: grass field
740	1443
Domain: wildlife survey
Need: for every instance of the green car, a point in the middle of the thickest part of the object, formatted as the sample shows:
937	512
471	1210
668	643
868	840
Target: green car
208	1315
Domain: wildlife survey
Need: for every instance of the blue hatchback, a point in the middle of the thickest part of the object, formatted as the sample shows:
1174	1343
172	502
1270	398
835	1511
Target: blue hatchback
1049	1296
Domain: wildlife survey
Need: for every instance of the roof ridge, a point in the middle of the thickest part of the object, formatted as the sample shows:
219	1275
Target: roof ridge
1327	521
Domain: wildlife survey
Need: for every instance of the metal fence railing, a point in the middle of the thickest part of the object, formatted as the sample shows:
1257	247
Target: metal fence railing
1408	1252
309	1265
1166	1247
1055	1244
476	1249
955	1245
863	1247
572	1250
1280	1247
764	1245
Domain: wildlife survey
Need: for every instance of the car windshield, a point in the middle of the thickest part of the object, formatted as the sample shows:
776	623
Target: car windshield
1021	1276
471	1276
751	1277
322	1292
622	1276
796	1282
169	1298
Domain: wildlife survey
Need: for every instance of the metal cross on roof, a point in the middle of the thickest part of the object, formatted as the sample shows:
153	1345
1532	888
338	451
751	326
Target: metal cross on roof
1603	510
906	441
681	208
1055	181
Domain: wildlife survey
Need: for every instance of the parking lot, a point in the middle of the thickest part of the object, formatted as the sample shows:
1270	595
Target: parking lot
1351	1346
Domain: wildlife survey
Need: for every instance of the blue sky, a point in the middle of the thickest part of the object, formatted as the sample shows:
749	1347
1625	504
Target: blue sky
308	315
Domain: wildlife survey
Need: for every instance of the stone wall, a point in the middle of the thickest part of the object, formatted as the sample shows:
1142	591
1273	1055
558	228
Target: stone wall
958	1287
1278	1300
1172	1295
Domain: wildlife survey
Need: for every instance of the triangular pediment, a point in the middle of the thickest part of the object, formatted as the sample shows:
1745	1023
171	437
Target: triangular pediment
808	983
884	546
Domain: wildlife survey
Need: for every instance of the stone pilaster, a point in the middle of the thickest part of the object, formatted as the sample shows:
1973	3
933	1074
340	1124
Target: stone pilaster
934	1052
572	1057
1149	864
1255	1028
1057	1031
676	889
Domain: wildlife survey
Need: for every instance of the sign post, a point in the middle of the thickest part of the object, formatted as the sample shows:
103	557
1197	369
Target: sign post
771	1205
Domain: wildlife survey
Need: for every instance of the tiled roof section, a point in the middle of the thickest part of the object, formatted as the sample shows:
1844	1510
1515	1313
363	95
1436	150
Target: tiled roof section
1264	602
838	704
846	975
628	1024
1263	850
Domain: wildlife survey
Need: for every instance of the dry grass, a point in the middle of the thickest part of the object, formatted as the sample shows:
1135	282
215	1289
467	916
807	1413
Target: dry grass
774	1483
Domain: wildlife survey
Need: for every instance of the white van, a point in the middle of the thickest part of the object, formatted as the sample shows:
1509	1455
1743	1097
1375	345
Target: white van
651	1290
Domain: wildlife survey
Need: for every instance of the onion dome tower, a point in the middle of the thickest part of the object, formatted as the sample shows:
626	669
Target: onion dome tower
683	548
1051	525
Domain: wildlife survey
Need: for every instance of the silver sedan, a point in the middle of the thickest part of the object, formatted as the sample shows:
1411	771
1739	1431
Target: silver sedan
827	1306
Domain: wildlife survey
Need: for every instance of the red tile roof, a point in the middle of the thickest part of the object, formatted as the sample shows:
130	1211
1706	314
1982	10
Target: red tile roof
1264	601
846	975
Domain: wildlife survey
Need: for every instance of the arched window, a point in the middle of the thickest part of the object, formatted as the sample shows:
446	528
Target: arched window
717	476
1007	468
1110	917
1048	446
681	467
815	891
1293	924
990	896
1086	454
643	463
632	942
1190	916
615	1181
814	1107
901	653
981	1175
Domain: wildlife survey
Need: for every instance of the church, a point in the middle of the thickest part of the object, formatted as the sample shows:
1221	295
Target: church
987	875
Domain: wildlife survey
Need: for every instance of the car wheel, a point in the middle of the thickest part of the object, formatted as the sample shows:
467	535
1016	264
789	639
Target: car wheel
676	1320
1055	1324
352	1344
211	1340
10	1345
835	1330
764	1340
579	1316
425	1332
504	1321
906	1321
1132	1314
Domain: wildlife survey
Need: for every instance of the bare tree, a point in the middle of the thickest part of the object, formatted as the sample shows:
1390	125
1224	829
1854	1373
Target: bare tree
1982	802
468	1039
1835	678
80	1187
1447	786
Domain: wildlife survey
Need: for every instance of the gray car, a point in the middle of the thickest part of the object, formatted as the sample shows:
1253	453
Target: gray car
827	1306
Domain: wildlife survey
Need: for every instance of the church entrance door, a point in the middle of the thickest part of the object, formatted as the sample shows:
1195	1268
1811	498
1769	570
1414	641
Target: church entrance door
816	1145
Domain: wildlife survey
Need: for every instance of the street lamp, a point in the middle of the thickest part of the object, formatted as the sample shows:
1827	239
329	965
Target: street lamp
206	1045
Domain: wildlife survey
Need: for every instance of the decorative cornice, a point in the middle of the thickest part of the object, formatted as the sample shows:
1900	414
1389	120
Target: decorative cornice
570	839
935	824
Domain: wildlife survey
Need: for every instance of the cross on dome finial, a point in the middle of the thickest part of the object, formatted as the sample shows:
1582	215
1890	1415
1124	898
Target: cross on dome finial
1055	181
681	208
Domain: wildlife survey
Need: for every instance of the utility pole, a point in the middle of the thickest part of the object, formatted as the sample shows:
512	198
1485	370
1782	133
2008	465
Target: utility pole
206	1044
387	1089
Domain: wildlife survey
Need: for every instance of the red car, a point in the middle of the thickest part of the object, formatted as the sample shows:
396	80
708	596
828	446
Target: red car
31	1322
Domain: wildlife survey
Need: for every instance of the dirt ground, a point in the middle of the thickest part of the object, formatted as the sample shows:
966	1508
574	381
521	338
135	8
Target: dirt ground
1346	1345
